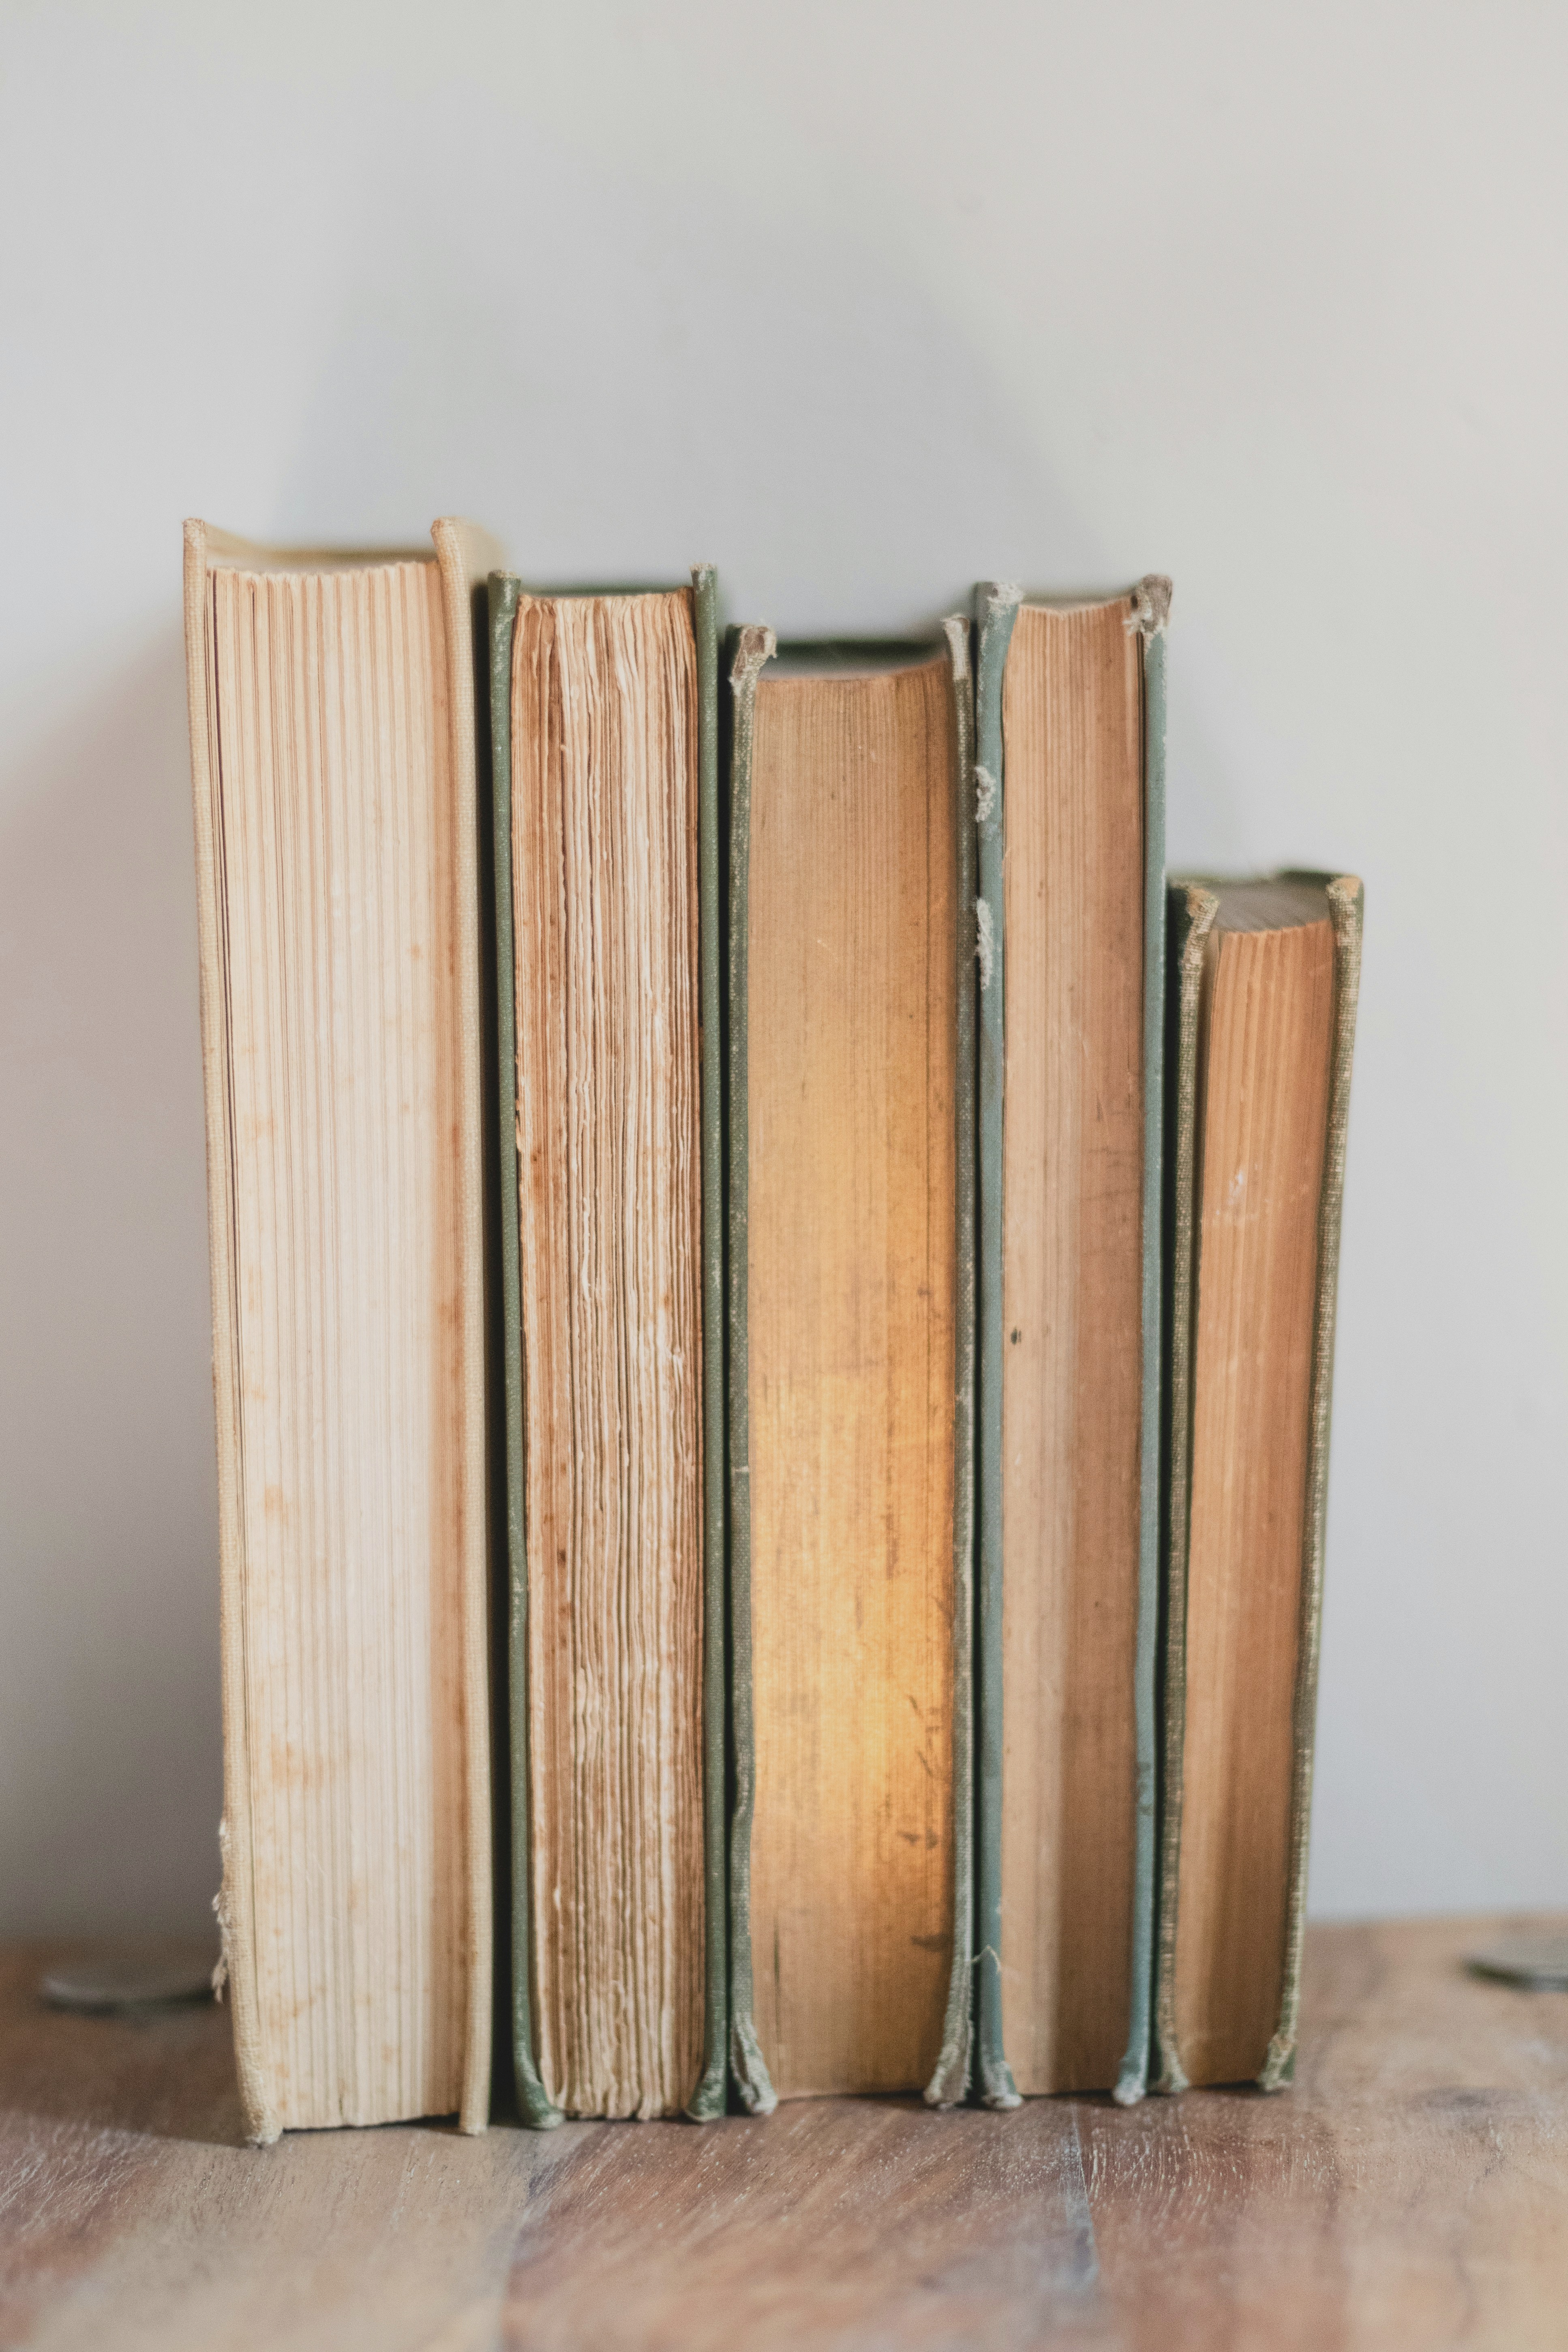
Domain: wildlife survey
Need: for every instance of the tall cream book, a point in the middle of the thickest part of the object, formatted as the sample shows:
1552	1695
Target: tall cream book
333	763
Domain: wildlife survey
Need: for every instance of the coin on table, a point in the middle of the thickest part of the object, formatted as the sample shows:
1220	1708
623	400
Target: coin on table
1540	1962
131	1976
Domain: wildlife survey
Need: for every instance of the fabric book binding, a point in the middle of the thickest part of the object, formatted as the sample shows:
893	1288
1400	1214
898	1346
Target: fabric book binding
1258	1121
851	1303
908	1603
1069	809
604	722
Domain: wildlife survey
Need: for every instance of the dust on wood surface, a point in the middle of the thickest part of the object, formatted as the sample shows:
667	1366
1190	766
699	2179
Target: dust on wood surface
1410	2191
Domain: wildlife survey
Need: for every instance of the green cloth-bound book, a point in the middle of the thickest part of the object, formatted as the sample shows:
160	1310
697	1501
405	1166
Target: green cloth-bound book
851	1027
1264	978
1069	809
603	720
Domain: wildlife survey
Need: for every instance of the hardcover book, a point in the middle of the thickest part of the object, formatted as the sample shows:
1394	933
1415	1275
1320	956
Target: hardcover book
333	752
603	724
1069	807
851	1015
1264	979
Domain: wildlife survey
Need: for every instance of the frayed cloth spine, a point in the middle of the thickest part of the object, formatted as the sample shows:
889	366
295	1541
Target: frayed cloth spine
710	2095
220	1913
984	942
995	611
1151	607
1346	903
750	2068
950	2078
754	647
1153	598
537	2110
1193	911
262	2127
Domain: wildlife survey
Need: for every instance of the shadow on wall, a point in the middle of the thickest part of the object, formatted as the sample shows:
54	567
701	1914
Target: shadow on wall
109	1763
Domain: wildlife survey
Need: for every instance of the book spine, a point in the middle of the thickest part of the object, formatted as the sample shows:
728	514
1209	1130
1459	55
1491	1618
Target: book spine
950	2081
996	610
709	2098
534	2104
1151	611
1192	914
753	647
236	1966
1346	901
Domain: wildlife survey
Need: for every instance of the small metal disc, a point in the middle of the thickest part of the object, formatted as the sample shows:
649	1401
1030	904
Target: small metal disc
132	1976
1538	1961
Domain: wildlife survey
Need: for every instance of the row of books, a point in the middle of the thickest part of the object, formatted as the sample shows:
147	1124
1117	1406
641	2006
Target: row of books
774	1289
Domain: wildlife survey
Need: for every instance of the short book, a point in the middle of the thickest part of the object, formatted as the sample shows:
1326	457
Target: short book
1263	977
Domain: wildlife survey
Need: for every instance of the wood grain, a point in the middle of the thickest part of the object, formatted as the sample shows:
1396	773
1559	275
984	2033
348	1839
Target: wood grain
1410	2192
1072	1290
838	2223
852	1035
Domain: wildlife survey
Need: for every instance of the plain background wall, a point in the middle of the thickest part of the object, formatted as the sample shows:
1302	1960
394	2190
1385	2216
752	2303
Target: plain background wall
860	302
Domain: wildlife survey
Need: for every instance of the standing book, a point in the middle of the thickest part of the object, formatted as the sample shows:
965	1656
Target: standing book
1264	979
851	1015
605	747
334	762
1069	808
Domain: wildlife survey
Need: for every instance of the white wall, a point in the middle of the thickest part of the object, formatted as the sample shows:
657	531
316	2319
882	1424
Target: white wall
860	302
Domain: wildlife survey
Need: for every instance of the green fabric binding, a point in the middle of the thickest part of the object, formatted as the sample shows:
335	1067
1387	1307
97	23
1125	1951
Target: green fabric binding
1191	913
950	2081
1346	909
1194	906
537	2108
995	611
709	2098
1151	604
753	647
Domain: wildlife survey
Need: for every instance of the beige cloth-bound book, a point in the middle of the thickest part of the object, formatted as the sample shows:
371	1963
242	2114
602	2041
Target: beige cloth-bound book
333	763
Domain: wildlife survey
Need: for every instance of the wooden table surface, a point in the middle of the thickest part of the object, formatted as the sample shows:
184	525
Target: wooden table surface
1411	2190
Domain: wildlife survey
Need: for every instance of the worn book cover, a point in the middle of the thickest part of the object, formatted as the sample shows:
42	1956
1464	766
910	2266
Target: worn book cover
1069	814
334	765
851	1018
608	944
1320	1038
